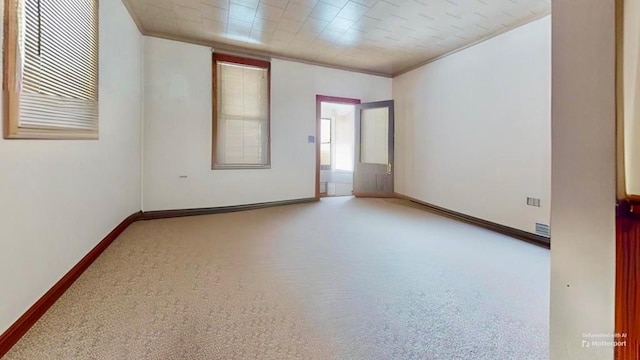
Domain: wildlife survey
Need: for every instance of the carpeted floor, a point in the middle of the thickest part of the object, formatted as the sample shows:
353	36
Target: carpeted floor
341	279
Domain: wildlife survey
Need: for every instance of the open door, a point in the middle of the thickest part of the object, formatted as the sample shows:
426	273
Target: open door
373	173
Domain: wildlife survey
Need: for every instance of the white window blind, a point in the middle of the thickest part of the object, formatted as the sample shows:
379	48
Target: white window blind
57	68
242	115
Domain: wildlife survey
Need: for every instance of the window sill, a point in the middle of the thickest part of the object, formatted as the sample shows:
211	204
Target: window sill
31	134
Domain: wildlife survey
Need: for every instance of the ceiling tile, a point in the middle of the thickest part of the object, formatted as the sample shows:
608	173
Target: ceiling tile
269	12
307	3
223	4
283	35
260	37
385	36
170	27
264	26
340	24
247	3
289	25
365	23
157	12
189	27
367	3
313	27
330	35
241	12
168	4
353	11
336	3
187	13
324	11
381	10
238	29
214	28
195	4
297	12
214	13
277	3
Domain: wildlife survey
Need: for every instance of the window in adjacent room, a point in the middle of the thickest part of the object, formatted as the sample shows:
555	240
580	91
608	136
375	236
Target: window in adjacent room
240	113
51	69
325	144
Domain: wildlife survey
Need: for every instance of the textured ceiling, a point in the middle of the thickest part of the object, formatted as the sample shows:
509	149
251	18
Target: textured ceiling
378	36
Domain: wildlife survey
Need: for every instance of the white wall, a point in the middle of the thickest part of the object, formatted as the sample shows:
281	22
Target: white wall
583	178
177	128
473	129
58	199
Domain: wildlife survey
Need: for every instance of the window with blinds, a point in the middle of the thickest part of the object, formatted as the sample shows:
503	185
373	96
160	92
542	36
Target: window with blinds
51	69
241	112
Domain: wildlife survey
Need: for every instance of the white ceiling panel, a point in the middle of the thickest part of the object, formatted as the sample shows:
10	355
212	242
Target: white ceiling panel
377	36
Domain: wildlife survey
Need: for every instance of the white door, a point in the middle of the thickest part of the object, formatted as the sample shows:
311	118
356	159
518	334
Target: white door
373	175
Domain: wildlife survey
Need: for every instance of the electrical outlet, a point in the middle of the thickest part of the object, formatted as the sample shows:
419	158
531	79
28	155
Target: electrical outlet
533	202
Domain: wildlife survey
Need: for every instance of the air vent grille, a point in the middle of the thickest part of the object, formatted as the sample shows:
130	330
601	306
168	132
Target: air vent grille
543	229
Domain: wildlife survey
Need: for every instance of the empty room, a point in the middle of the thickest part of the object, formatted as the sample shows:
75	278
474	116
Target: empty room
320	179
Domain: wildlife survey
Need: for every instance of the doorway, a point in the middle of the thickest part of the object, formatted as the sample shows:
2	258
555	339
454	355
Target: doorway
335	144
354	147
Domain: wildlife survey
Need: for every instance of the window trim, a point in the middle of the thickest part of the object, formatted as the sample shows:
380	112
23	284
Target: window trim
11	92
330	165
214	101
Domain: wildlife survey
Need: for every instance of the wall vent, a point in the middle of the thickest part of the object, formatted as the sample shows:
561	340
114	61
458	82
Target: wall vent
543	229
533	202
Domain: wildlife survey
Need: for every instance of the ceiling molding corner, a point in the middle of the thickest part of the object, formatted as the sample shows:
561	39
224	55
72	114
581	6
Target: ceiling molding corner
258	54
134	16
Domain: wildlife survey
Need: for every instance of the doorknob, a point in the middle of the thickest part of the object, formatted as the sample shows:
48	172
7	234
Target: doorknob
389	168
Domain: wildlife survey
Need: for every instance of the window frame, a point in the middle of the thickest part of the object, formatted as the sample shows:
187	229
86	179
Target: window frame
216	57
12	87
330	142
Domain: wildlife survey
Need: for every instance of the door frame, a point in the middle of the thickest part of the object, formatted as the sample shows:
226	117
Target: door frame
319	100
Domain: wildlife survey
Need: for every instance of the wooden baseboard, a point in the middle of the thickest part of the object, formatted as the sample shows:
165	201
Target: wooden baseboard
627	314
372	194
629	208
11	336
26	321
163	214
506	230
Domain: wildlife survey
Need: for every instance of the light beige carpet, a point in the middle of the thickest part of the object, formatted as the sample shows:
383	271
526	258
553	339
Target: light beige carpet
341	279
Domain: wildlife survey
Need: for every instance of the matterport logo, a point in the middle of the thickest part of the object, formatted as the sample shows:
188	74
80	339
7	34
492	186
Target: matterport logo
604	340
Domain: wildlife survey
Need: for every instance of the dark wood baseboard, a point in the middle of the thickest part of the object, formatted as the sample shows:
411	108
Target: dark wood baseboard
627	313
11	336
506	230
26	321
372	194
163	214
628	208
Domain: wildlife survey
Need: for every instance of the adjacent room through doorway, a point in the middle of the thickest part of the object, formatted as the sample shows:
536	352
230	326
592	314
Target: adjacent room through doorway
336	142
